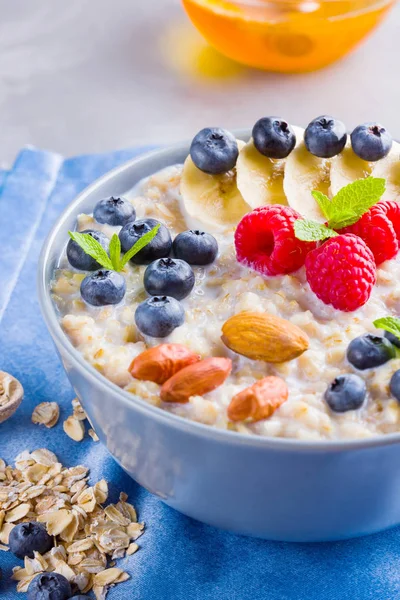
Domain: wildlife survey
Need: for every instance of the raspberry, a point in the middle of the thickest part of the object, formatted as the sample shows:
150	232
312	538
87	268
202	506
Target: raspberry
392	210
377	231
265	241
342	272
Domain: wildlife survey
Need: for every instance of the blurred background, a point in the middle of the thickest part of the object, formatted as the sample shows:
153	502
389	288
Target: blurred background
93	75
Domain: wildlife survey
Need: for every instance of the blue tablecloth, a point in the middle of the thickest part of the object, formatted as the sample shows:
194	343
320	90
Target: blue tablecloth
179	558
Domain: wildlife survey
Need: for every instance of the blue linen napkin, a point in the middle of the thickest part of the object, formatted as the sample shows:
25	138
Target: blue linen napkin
178	558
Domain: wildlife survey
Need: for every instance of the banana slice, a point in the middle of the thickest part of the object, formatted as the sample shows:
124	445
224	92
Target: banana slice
259	178
211	202
389	169
304	173
347	167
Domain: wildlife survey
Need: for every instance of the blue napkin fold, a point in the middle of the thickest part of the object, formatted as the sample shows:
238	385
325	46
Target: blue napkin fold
178	558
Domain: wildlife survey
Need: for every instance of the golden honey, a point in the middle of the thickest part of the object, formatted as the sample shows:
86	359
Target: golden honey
286	36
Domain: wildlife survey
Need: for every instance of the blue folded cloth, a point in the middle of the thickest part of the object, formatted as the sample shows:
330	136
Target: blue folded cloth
178	558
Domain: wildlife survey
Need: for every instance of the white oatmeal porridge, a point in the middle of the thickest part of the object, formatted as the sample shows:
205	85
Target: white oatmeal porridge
109	340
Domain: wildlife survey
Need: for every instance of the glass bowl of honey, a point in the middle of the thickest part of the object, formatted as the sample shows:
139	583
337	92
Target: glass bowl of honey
286	35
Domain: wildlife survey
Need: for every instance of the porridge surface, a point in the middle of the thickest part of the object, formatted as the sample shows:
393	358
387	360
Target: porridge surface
109	340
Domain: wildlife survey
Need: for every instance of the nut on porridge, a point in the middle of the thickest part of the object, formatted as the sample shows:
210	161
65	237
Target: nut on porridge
254	288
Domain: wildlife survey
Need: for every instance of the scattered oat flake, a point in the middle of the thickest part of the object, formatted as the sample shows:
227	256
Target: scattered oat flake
101	491
114	515
88	537
132	548
45	457
74	429
78	411
107	577
17	513
87	500
123	577
65	570
46	413
56	521
24	583
5	532
93	435
135	530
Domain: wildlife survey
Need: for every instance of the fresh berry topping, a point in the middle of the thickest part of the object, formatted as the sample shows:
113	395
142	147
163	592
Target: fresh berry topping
78	258
81	597
214	150
392	210
158	316
369	351
159	247
393	339
114	211
103	287
196	247
49	586
27	538
342	272
371	141
378	233
265	241
169	277
346	392
273	137
395	385
325	136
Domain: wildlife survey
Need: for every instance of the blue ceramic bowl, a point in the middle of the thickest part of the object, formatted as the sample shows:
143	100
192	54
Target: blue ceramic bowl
278	489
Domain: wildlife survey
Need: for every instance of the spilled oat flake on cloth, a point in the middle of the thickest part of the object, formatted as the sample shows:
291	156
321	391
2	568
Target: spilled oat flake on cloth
88	537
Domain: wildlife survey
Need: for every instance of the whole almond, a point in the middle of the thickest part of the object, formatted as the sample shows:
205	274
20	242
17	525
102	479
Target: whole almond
262	336
259	401
196	380
161	362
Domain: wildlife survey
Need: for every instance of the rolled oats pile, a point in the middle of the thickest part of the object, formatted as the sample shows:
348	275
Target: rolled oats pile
88	537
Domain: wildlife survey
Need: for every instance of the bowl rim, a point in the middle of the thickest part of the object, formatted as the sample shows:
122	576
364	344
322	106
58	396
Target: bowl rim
190	427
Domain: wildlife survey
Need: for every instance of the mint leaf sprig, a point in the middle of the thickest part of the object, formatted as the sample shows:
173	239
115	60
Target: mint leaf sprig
114	261
346	208
390	324
311	231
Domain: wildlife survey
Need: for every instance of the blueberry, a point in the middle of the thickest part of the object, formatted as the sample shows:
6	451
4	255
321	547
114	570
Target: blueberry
49	586
395	385
368	351
103	287
346	392
114	211
79	259
214	150
273	137
159	247
196	247
371	141
393	339
81	597
325	136
158	316
169	277
26	538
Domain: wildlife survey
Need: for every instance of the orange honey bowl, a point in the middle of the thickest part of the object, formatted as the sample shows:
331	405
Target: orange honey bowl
286	35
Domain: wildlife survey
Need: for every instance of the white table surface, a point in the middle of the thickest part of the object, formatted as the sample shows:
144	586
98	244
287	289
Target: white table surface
92	75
